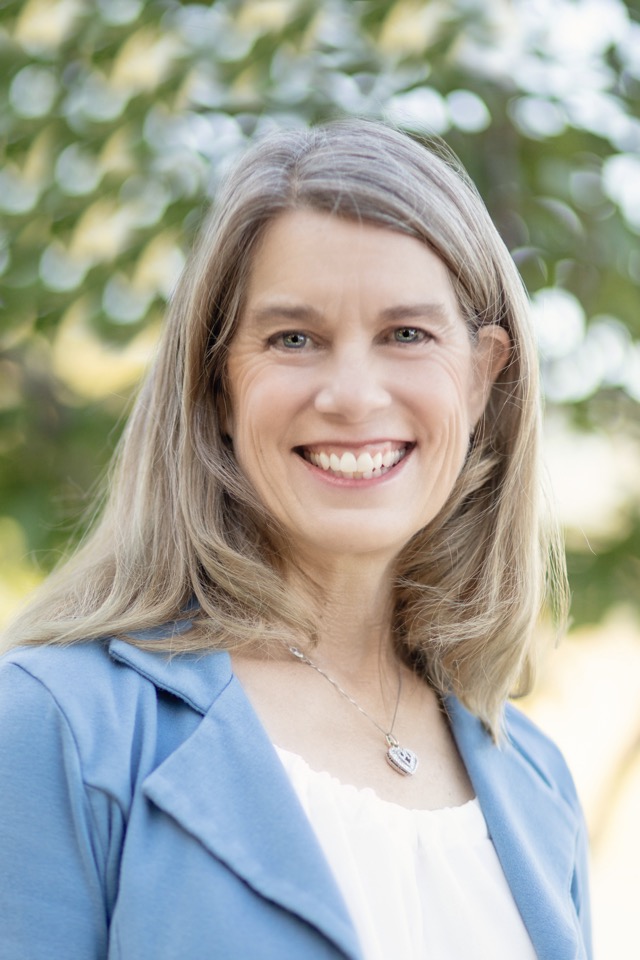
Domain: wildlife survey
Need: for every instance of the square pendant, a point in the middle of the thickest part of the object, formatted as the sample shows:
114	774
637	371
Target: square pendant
402	760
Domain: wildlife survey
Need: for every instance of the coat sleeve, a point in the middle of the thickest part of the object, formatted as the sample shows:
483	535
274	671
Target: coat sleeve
580	886
55	831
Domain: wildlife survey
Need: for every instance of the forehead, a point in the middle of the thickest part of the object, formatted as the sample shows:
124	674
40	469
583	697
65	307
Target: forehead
309	254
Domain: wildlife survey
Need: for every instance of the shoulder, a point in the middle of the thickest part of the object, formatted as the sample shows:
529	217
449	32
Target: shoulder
73	702
107	700
539	752
81	679
524	763
111	672
58	666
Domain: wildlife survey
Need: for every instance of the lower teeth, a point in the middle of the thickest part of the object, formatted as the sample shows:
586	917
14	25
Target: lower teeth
369	475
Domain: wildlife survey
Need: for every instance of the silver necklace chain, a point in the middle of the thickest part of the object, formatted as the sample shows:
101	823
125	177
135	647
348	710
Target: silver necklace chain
402	759
391	740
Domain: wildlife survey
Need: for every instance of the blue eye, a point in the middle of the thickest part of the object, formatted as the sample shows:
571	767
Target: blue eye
291	341
408	335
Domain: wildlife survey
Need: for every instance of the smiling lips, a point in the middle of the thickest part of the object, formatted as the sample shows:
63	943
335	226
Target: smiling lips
363	465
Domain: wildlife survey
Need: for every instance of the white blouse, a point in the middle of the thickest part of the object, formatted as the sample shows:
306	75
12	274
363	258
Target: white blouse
419	884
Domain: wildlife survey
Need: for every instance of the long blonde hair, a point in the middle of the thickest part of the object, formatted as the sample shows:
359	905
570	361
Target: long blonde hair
182	539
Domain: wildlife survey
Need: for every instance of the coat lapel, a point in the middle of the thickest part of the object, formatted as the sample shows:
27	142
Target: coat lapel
226	786
533	830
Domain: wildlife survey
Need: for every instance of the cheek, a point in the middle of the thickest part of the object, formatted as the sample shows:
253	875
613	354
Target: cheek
260	409
443	395
243	389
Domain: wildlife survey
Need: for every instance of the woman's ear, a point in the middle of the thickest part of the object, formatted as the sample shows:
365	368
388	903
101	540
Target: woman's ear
491	354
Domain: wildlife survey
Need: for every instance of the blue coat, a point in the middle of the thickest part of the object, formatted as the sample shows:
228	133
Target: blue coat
144	815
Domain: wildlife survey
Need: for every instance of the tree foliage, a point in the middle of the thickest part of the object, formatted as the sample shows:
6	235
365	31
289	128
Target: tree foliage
119	117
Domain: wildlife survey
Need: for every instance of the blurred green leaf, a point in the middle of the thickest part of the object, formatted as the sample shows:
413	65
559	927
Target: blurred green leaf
118	117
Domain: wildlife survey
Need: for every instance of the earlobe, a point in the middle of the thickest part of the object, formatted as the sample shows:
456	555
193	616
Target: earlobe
491	355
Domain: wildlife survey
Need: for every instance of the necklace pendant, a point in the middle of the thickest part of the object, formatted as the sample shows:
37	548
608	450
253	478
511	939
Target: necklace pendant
403	760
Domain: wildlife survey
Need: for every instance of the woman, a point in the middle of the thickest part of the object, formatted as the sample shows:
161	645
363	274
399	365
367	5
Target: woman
261	712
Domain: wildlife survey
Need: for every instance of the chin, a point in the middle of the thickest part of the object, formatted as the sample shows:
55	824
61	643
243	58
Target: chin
345	543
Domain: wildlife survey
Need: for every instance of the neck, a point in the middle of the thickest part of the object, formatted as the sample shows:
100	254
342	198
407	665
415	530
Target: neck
354	619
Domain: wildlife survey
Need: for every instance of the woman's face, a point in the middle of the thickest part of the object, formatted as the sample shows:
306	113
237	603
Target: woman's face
354	384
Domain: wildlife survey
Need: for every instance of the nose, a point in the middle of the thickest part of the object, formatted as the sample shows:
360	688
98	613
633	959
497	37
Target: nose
352	387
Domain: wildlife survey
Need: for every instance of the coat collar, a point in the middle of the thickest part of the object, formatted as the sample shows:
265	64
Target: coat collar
252	821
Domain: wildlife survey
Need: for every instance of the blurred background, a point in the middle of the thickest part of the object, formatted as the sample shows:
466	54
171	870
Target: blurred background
118	119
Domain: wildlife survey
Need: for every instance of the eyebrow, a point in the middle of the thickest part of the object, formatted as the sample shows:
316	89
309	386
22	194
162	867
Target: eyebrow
413	311
305	313
283	311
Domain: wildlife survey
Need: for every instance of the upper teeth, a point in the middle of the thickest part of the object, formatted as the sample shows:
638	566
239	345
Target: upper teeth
364	465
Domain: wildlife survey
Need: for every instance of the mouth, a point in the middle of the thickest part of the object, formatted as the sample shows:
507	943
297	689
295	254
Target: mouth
360	464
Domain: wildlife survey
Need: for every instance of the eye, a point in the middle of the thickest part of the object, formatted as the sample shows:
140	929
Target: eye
290	340
410	335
